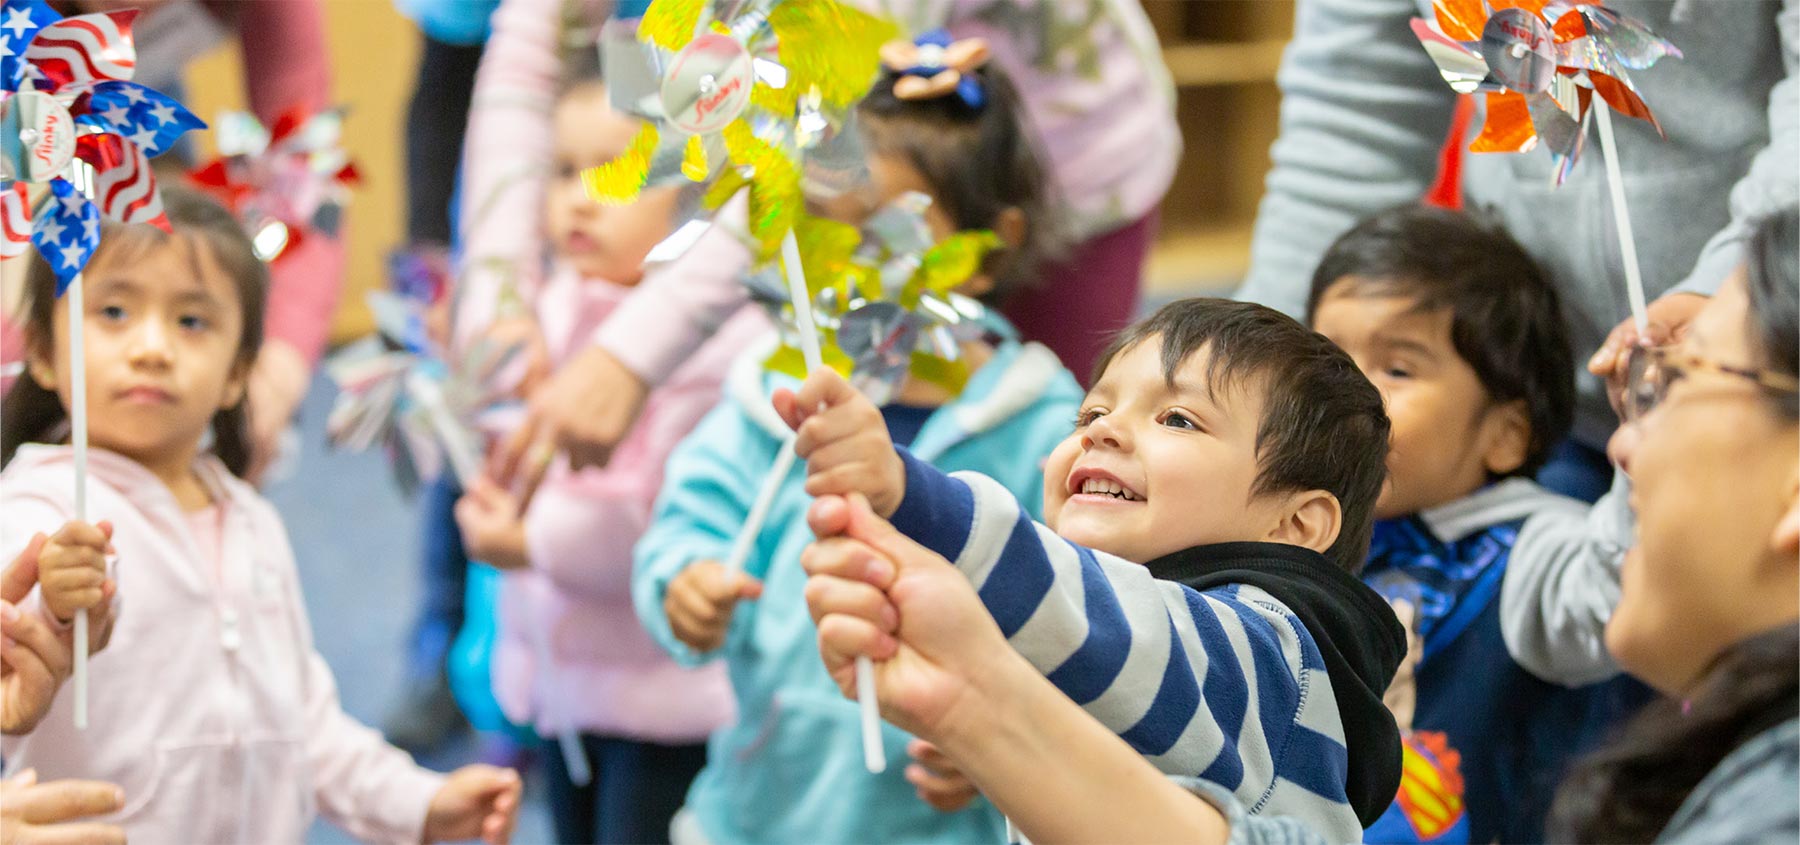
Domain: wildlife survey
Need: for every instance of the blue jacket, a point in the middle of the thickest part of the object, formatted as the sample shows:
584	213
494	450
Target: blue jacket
791	769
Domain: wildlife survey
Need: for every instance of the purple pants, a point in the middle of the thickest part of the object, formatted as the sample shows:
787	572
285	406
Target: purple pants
1083	300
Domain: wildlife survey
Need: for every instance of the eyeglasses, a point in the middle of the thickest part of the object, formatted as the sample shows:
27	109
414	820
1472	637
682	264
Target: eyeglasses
1652	371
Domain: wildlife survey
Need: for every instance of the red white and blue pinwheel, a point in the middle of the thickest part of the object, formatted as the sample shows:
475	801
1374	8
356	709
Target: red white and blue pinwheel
67	100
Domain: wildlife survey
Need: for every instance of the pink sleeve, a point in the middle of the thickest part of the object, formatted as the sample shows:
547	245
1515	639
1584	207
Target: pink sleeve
287	66
679	305
370	788
581	530
506	158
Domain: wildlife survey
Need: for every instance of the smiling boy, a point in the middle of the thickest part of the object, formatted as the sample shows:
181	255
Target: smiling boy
1195	587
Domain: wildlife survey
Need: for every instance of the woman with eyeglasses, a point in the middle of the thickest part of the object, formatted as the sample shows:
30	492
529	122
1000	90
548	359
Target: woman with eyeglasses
1709	596
1706	608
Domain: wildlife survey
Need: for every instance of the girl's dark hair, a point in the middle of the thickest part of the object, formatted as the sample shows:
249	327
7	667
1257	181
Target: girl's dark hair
979	162
32	413
1772	275
1628	791
1506	321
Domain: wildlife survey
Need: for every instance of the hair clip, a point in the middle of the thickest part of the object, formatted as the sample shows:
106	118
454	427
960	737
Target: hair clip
933	66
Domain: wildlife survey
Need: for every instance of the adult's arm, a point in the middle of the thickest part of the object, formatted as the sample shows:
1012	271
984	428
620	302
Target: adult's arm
287	66
506	156
1771	183
1561	585
948	675
1363	113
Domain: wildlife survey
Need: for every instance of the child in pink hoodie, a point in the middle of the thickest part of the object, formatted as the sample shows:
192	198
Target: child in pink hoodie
566	598
209	707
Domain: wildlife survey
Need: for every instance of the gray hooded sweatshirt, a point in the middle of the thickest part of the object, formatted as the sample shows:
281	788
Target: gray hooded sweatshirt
1364	112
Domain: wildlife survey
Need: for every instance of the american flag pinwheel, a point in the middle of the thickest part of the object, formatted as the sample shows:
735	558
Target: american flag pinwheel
67	100
71	116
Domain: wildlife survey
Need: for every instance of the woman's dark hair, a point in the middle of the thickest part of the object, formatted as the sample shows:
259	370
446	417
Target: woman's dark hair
1628	791
33	413
979	161
1772	276
1505	319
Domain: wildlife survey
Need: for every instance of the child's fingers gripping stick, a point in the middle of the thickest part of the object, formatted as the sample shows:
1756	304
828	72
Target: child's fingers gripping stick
72	569
700	602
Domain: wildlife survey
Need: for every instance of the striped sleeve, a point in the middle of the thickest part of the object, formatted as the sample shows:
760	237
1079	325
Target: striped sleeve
1211	684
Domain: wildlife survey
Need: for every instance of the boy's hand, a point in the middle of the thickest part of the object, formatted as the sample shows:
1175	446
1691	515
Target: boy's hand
476	801
700	601
937	779
493	529
72	569
844	441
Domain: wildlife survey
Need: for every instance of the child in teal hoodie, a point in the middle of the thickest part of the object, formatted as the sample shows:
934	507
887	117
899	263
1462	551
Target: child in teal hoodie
791	768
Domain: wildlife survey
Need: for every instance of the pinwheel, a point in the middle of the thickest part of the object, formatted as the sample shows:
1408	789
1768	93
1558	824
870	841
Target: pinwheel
884	298
1540	64
71	116
396	389
285	182
737	102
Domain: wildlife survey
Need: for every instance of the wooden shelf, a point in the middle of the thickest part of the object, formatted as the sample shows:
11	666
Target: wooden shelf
1223	56
1206	261
1224	64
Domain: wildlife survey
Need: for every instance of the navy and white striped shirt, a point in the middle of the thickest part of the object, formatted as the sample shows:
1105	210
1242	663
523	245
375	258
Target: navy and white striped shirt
1225	684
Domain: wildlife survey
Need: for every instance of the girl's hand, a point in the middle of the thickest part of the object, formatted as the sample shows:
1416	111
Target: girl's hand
72	569
700	601
493	528
476	801
937	779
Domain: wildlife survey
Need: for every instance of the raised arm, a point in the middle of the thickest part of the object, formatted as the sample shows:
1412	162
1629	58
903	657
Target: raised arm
1363	113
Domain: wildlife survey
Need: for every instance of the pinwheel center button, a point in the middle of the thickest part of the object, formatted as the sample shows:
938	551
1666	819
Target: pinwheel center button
708	84
46	136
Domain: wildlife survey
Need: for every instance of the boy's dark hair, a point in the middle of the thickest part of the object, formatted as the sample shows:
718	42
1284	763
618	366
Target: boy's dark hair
979	162
32	413
1323	425
1506	320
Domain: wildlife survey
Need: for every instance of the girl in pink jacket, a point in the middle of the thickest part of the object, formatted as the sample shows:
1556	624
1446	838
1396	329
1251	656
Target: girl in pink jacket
566	598
209	707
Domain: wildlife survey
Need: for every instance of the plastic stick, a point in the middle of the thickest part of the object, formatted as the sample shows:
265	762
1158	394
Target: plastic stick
1615	182
82	176
873	755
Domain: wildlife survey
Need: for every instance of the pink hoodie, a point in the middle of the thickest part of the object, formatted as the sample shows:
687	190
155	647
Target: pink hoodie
209	706
609	678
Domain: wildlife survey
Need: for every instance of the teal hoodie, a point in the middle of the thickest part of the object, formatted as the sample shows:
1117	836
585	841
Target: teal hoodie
791	769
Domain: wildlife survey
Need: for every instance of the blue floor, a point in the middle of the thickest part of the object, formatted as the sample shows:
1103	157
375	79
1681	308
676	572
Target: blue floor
355	540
